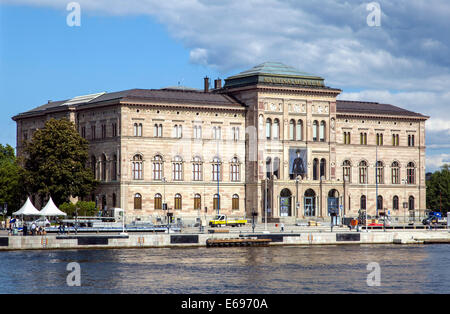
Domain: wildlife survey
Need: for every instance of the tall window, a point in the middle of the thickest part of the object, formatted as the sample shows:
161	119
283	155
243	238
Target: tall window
216	202
234	165
395	140
411	203
379	139
177	168
322	131
216	169
315	130
292	130
158	201
114	168
197	202
83	133
268	168
395	203
197	132
347	139
276	129
411	173
235	202
94	166
178	131
276	167
114	129
363	202
103	162
346	170
137	129
363	138
411	140
323	165
137	167
93	129
235	133
379	172
299	131
395	169
157	167
380	202
316	169
103	131
177	201
157	130
197	169
268	128
137	201
217	132
363	172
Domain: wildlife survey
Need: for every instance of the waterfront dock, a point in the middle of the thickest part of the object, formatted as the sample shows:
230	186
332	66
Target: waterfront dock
302	237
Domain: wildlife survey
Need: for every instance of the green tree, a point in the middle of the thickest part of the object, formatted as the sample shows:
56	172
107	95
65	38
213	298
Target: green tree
10	179
55	162
438	190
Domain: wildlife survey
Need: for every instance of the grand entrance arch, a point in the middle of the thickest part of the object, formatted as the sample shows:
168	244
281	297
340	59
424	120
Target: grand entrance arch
285	203
333	201
309	201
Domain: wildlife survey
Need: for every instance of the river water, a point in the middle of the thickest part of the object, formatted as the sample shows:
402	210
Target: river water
316	269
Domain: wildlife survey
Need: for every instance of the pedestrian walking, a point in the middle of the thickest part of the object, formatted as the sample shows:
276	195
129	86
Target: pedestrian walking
282	227
24	229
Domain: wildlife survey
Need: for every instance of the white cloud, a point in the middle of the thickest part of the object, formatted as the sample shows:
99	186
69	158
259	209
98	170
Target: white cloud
434	162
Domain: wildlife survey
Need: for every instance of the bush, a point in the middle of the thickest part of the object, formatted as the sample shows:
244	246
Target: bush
84	208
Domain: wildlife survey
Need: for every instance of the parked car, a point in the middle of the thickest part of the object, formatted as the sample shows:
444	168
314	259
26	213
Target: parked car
40	222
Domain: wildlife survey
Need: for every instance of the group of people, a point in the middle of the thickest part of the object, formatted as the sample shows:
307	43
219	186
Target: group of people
34	229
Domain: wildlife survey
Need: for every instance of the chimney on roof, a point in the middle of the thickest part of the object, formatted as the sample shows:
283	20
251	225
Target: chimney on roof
206	84
218	83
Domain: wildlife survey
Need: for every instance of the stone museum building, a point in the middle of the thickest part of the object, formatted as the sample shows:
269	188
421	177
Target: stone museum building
270	140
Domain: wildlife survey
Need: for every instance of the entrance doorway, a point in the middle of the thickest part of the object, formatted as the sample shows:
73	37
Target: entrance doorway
333	201
309	201
285	203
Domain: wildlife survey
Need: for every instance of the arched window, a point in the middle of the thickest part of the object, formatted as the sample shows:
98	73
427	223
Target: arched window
235	202
197	132
135	129
299	131
268	128
177	168
380	202
315	130
234	169
114	168
197	202
235	133
137	167
158	201
216	202
379	172
94	166
137	201
268	167
157	130
177	201
216	169
276	129
322	131
292	130
346	171
323	166
197	169
157	167
395	203
363	202
103	161
411	203
316	169
363	172
395	172
411	173
276	167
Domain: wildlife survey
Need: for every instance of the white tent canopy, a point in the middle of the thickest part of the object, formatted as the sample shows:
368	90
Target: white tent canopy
27	209
51	210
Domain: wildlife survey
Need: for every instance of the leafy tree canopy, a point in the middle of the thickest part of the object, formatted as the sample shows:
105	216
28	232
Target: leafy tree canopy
10	179
438	190
55	162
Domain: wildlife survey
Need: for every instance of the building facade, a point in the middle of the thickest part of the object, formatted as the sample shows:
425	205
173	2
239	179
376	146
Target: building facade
272	141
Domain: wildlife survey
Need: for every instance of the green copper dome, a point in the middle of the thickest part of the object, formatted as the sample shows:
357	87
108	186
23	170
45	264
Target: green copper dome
274	73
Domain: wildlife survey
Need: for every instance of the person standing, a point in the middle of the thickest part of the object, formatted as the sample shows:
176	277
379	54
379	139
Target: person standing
282	227
24	229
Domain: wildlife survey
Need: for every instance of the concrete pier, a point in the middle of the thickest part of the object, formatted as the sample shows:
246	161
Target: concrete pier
148	240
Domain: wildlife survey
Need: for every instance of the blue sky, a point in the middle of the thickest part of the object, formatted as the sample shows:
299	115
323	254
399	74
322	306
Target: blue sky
153	44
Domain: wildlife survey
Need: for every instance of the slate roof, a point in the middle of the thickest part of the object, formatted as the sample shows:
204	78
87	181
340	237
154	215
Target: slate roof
275	68
348	106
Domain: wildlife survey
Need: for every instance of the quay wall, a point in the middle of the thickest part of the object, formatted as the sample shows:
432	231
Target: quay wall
185	240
